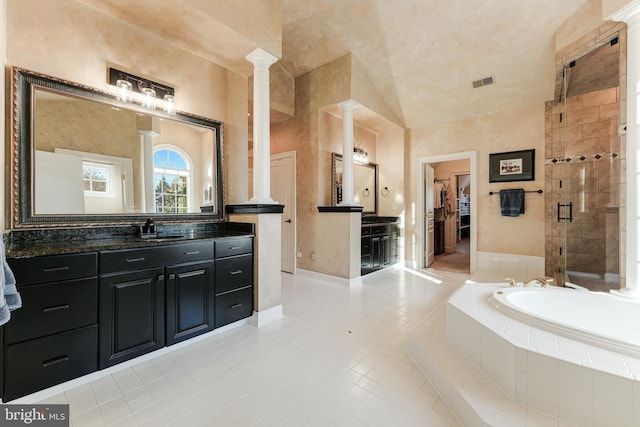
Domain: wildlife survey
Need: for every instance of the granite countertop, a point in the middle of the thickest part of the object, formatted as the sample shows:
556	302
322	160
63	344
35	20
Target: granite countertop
29	249
374	220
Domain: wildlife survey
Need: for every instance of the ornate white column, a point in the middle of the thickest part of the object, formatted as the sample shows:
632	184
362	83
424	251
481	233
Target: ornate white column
261	61
631	15
347	151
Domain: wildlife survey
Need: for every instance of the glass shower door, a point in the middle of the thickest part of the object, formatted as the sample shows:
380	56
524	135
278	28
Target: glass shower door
585	181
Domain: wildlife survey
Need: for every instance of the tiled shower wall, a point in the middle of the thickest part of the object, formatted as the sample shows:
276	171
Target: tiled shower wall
583	150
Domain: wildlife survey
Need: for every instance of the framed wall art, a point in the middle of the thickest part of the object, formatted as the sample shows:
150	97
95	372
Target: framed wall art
512	166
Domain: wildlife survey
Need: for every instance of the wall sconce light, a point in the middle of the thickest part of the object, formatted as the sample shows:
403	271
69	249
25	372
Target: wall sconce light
146	92
360	156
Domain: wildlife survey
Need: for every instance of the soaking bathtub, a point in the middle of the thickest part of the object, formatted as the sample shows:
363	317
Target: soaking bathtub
594	318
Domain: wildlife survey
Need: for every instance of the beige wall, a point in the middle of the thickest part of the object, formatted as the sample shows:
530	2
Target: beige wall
512	130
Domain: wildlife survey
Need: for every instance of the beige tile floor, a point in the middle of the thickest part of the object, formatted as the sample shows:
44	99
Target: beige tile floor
338	357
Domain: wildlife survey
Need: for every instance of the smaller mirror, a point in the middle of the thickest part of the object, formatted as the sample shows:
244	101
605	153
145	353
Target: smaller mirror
365	179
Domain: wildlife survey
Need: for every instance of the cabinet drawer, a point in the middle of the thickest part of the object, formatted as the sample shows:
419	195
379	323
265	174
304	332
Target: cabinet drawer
380	229
53	307
43	362
118	261
365	245
233	273
233	306
230	247
188	252
53	268
121	260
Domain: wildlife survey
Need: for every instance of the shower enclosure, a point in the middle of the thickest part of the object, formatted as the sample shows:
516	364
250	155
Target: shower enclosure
582	166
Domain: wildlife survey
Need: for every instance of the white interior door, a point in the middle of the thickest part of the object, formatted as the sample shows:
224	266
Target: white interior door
429	243
283	190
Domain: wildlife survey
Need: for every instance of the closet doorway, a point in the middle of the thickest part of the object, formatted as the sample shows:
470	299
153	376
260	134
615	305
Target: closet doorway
452	216
450	205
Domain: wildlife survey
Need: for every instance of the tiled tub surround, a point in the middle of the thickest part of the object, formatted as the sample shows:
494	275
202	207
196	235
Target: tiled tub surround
569	380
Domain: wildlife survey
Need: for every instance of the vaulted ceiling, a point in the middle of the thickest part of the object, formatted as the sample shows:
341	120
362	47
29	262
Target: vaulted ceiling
422	55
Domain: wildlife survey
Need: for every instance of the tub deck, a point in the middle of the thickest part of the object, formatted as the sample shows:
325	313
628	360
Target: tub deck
495	370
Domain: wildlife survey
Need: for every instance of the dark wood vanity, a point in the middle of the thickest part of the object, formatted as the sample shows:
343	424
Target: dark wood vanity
111	302
378	243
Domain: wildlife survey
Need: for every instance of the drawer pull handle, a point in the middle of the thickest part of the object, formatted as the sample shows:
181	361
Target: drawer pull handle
233	248
57	307
236	305
54	361
234	272
192	253
52	269
134	259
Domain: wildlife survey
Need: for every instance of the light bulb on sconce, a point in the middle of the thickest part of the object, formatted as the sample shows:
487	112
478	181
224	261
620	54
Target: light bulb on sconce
360	156
124	90
169	104
149	98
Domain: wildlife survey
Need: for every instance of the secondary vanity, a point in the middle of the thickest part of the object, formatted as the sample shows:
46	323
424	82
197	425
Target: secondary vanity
102	283
379	234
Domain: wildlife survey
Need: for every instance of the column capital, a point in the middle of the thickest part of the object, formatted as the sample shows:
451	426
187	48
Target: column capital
150	133
260	58
348	105
629	13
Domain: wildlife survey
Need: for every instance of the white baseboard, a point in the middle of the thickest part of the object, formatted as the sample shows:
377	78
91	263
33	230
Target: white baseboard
519	267
263	317
356	281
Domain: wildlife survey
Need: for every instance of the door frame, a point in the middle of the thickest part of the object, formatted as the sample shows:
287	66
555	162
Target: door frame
420	203
293	212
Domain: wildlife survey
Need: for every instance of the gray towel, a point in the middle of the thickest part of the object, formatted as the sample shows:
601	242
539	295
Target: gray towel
10	297
512	202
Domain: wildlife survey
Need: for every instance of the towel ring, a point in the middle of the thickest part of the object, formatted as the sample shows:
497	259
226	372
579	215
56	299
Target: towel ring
385	192
365	192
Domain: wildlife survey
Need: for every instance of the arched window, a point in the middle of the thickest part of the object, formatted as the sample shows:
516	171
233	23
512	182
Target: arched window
172	180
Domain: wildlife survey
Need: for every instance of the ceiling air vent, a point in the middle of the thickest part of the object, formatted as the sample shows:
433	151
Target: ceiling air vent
483	82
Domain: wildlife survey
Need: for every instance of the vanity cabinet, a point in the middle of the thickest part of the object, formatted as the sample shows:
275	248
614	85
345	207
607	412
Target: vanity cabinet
154	296
87	311
378	246
54	336
233	280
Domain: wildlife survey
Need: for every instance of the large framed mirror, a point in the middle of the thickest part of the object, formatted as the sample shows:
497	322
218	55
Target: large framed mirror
365	179
80	156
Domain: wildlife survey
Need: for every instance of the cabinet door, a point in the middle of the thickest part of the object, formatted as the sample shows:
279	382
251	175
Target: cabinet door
375	253
189	301
365	255
385	250
131	315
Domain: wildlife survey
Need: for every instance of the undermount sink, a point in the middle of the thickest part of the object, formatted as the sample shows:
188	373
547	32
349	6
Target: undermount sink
159	238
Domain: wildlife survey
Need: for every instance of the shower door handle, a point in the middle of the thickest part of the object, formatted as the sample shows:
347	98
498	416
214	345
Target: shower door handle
570	217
